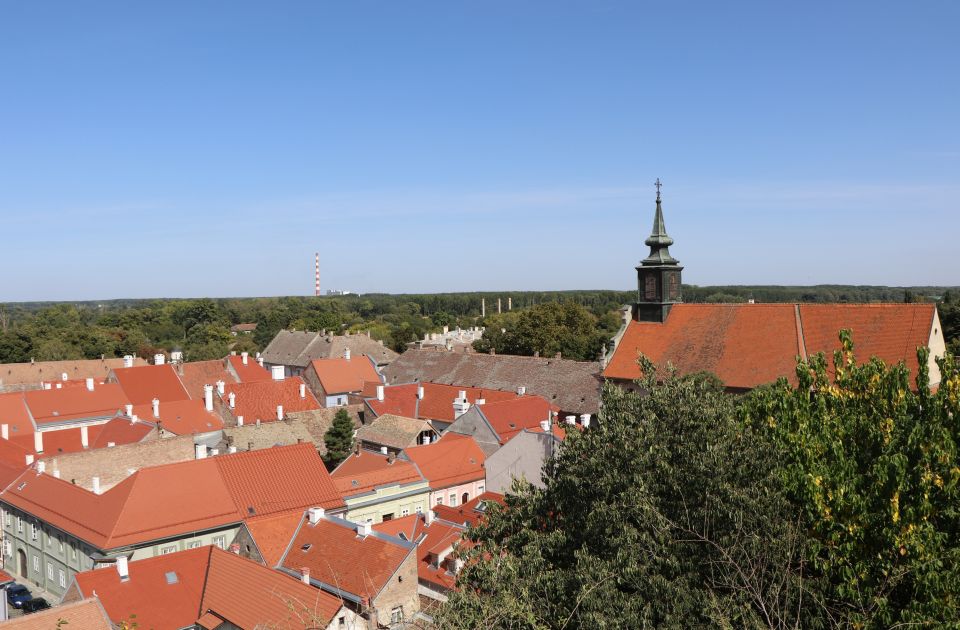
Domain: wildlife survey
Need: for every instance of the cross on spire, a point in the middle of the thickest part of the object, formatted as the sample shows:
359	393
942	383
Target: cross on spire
658	185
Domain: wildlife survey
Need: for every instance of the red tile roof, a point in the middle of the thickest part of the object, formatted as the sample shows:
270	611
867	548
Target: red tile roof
510	417
87	614
174	499
747	345
118	431
432	540
342	376
450	461
143	384
181	417
470	512
249	373
75	403
337	556
437	402
196	374
258	400
272	534
366	471
13	413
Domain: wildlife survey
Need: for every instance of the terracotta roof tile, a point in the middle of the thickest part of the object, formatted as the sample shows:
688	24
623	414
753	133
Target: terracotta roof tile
342	376
143	384
33	374
13	413
452	460
298	348
470	512
432	540
509	417
393	431
50	406
195	374
249	373
365	471
117	431
258	400
437	402
181	417
87	614
272	534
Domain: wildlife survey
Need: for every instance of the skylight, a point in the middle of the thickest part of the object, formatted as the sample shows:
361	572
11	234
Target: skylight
172	577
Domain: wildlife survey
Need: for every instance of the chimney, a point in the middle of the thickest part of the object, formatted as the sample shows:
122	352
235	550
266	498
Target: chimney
5	431
545	426
156	407
243	357
38	441
111	444
276	372
134	419
279	412
214	452
208	397
460	405
84	437
303	390
260	361
383	450
41	467
232	449
64	376
585	420
47	386
95	481
201	450
122	568
129	409
380	393
56	473
315	514
364	529
128	361
521	390
159	359
346	354
232	400
480	401
571	419
305	575
419	392
89	384
239	421
29	459
220	387
428	517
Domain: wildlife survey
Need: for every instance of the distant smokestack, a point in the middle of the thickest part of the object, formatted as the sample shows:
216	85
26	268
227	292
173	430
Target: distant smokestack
317	277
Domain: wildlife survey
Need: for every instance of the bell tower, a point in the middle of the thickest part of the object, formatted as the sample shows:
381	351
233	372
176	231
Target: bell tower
658	275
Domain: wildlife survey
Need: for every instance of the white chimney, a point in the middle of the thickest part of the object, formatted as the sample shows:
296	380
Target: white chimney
315	514
277	372
232	400
279	412
134	419
428	517
303	390
481	401
260	361
208	397
38	441
95	482
419	392
346	354
84	437
214	452
461	405
364	529
159	359
220	387
64	376
585	420
129	409
571	419
383	450
56	473
243	357
29	459
47	386
305	575
231	449
5	431
545	426
41	466
122	568
111	444
521	390
59	385
128	360
201	450
156	407
239	421
380	393
89	384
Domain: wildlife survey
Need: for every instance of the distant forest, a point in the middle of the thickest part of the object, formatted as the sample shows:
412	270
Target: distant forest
574	323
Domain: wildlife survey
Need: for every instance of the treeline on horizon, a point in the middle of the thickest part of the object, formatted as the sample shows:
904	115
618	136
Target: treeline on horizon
576	324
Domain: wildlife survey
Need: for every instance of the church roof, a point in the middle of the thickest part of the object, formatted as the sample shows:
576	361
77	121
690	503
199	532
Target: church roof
747	345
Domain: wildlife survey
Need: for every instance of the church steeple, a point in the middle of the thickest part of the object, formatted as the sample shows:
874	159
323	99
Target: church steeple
658	275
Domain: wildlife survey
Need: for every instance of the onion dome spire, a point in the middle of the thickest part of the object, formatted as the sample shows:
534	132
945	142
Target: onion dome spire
659	241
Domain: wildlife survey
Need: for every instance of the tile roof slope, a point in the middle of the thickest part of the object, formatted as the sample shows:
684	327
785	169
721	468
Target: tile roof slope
49	406
365	471
143	384
254	478
341	376
298	348
339	557
258	400
249	595
574	386
87	614
891	332
181	417
437	402
745	345
49	371
14	414
450	461
196	374
157	603
117	431
468	513
250	372
288	347
512	416
391	430
360	345
431	540
272	534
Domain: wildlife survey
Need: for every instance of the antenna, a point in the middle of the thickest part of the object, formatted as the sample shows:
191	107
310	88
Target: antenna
317	265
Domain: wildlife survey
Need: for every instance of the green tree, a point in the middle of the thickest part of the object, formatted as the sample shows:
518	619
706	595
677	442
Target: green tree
870	462
546	329
338	439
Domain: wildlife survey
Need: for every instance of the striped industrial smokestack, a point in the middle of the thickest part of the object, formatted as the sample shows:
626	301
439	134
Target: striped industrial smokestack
317	264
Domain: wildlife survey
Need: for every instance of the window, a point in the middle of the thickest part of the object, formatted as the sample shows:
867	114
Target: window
60	542
36	564
465	497
33	531
220	541
396	615
453	498
341	622
63	579
50	571
19	525
439	500
480	489
419	509
8	548
405	512
193	544
74	553
8	518
165	550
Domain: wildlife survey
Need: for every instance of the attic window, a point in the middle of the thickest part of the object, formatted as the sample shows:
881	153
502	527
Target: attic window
354	482
22	486
513	426
171	577
251	510
306	547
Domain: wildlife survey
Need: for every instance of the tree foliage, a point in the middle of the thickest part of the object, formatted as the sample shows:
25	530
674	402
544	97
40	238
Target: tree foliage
338	439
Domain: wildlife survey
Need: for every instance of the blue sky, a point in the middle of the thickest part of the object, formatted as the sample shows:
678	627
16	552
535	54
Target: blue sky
210	148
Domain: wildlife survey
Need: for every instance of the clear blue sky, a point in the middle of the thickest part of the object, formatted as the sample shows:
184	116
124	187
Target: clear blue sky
210	148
